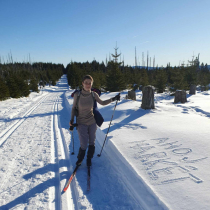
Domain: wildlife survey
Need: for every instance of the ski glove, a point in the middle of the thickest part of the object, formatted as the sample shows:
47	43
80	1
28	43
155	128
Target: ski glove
71	126
117	97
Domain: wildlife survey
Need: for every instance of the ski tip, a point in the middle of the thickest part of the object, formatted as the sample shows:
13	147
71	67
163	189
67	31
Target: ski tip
64	190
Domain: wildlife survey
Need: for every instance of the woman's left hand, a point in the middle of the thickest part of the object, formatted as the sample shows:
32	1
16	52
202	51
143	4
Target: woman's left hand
117	97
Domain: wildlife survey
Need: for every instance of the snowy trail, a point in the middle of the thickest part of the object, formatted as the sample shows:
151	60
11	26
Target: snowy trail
24	152
60	157
36	162
31	167
7	132
16	110
55	159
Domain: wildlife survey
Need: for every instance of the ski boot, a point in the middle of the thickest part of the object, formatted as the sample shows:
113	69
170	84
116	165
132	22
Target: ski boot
91	150
80	156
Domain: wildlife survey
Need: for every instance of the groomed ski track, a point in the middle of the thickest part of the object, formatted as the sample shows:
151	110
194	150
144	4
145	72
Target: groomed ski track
40	145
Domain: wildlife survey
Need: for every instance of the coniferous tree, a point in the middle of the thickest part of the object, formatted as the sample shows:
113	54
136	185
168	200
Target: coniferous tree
114	78
4	90
13	87
53	82
178	79
160	80
34	85
203	76
23	86
144	80
74	75
96	78
136	76
190	75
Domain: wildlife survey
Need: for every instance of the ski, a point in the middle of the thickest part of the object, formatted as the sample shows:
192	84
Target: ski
88	179
70	179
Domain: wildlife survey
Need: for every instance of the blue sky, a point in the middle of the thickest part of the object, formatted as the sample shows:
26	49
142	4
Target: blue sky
61	31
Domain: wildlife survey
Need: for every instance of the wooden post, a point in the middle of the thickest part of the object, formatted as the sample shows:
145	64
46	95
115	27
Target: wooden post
148	98
192	89
203	88
180	96
132	95
135	87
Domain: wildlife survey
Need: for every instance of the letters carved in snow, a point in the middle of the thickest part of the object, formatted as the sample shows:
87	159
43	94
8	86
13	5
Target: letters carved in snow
166	162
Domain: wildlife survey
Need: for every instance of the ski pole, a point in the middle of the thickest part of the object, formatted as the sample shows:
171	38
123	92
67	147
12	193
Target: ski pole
71	130
107	130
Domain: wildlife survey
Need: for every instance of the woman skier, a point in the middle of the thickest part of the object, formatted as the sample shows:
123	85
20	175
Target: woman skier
83	109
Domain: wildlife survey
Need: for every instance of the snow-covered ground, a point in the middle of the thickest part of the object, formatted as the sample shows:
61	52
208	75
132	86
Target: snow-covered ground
152	159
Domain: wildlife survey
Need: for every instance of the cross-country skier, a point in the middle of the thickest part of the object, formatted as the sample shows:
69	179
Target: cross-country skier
85	118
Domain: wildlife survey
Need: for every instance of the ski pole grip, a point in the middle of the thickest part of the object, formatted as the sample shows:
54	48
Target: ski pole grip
75	124
72	127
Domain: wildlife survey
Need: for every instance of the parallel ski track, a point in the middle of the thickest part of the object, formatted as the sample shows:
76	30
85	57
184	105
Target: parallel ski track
56	159
60	154
4	135
25	150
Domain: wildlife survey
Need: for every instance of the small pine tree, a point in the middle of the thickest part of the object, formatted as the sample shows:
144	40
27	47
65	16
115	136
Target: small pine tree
53	82
96	78
190	75
203	77
160	80
13	87
144	79
114	78
136	76
75	75
178	79
23	86
34	86
4	90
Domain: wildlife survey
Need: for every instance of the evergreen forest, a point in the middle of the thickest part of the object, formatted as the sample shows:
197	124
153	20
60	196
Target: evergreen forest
116	77
19	79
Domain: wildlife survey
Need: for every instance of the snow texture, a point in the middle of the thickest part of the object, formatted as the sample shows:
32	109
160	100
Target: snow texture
152	159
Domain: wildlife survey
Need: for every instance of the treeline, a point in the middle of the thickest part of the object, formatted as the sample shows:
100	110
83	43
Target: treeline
116	77
19	79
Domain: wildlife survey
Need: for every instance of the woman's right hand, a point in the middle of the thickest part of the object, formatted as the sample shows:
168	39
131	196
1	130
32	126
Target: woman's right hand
71	126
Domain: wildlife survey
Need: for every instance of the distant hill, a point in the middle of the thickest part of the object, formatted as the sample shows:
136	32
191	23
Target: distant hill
143	67
150	68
